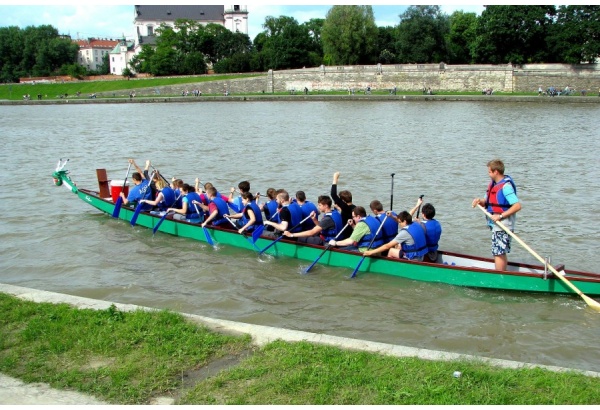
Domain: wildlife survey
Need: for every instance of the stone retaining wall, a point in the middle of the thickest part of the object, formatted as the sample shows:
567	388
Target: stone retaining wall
405	77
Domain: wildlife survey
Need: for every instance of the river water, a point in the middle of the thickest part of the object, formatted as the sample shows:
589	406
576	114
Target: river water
52	241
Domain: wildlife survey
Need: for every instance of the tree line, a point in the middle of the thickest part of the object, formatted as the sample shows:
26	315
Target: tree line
348	35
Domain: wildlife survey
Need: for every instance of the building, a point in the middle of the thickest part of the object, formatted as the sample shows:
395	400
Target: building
120	56
92	50
148	18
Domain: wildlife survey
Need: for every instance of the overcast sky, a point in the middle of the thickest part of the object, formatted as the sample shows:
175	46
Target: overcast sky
112	19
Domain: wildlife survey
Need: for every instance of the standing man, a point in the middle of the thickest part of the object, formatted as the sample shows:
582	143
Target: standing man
343	203
501	201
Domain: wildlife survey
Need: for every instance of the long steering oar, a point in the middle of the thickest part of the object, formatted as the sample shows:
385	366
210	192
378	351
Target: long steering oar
591	302
243	233
164	216
325	250
282	236
392	194
369	247
119	202
139	206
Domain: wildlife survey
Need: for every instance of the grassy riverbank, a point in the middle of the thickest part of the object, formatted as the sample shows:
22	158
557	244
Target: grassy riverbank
85	88
131	358
121	89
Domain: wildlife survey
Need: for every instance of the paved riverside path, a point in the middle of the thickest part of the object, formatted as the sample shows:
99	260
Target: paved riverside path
13	391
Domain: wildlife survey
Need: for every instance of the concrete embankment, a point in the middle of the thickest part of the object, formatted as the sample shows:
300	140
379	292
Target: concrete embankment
312	97
15	392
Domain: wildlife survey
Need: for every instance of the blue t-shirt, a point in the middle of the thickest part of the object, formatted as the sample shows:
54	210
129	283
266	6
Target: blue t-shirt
140	191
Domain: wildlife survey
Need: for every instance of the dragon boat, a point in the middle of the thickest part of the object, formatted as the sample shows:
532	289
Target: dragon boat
450	268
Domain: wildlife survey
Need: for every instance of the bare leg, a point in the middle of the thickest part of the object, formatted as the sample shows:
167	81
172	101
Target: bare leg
501	261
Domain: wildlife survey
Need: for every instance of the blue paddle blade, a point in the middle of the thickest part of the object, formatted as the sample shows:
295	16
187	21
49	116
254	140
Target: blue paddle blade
357	266
158	224
316	260
117	209
134	218
257	233
208	238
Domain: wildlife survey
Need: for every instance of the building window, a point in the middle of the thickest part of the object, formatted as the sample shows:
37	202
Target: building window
113	59
236	8
150	30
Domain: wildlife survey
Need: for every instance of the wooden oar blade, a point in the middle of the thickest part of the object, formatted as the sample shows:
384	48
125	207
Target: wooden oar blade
117	209
591	302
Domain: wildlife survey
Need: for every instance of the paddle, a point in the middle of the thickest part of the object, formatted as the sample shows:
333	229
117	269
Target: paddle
591	302
160	175
139	206
325	250
119	202
164	216
206	233
243	233
392	195
369	247
419	208
282	236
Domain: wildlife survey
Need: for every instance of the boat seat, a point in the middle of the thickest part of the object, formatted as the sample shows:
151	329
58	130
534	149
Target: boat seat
560	268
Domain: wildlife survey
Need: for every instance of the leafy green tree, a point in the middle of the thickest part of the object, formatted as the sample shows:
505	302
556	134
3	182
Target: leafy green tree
284	43
516	34
422	35
104	68
575	37
74	70
461	37
11	54
315	48
386	40
349	35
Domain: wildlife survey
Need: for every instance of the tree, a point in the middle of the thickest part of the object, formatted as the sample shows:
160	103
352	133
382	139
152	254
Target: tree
315	49
461	37
422	35
284	43
349	35
104	68
575	36
386	40
516	34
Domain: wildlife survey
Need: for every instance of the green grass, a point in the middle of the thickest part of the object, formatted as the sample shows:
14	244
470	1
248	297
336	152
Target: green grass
302	373
119	357
133	357
52	91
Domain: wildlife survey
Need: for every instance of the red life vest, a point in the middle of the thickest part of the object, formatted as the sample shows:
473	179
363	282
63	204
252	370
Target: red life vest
496	203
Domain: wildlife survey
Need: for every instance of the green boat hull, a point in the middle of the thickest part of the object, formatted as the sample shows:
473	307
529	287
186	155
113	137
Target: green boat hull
588	283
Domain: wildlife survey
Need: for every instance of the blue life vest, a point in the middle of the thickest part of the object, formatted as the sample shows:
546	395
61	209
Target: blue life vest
432	234
222	209
296	214
179	202
237	205
419	248
329	234
373	224
257	215
270	209
390	227
168	198
496	203
307	207
191	209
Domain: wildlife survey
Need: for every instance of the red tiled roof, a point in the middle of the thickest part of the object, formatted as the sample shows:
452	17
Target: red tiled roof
96	43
